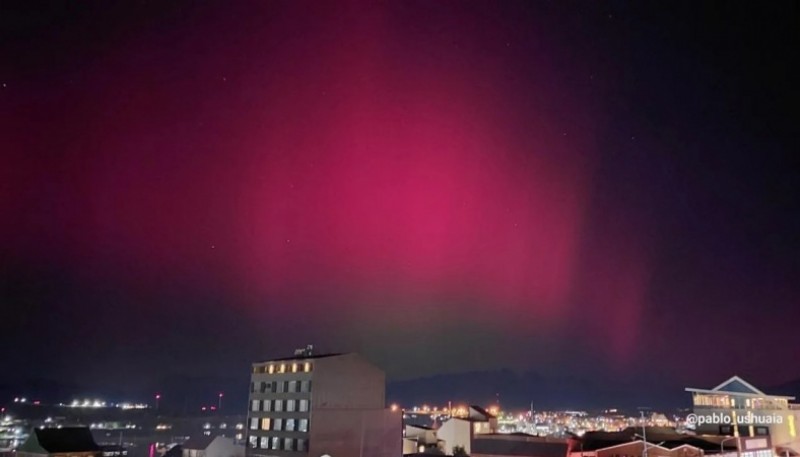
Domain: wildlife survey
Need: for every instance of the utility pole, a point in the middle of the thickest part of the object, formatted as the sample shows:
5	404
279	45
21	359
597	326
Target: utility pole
644	431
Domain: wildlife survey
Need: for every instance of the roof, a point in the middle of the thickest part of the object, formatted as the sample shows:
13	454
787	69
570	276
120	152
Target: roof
419	426
482	412
60	440
736	385
198	442
518	447
666	439
301	357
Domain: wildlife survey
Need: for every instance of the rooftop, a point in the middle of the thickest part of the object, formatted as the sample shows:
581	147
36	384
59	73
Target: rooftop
737	386
60	440
301	357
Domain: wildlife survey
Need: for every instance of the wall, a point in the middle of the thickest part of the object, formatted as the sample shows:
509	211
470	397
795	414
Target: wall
455	432
346	382
356	433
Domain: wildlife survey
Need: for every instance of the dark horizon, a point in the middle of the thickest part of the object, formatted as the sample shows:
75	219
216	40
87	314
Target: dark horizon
606	191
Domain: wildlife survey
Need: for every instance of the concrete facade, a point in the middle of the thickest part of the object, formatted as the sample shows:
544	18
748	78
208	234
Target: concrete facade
312	405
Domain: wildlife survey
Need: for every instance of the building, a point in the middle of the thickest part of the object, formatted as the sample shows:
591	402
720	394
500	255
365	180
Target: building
60	442
737	408
313	405
211	446
518	444
419	439
456	432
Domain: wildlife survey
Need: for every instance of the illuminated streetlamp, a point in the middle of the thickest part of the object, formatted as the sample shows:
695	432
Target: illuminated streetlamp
219	401
158	398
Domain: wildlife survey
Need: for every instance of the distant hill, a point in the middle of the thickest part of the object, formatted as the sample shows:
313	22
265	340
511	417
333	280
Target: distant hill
518	390
182	394
179	394
791	388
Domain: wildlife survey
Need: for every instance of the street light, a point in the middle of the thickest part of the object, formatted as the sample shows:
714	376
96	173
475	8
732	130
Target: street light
644	432
722	444
219	402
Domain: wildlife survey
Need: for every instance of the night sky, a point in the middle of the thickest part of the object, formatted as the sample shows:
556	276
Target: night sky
584	189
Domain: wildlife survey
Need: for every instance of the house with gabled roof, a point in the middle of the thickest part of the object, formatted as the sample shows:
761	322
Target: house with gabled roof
211	446
738	409
60	442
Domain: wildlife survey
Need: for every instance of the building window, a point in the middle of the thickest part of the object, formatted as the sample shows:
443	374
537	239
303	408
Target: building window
290	425
282	368
264	442
287	444
267	405
292	386
253	441
265	423
290	405
278	405
254	405
302	425
252	387
302	405
263	387
271	369
275	443
302	444
294	368
253	423
278	425
307	367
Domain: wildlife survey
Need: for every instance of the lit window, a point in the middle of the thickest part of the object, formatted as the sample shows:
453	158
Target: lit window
254	405
290	425
302	425
275	443
264	442
294	368
253	441
253	423
265	424
282	368
307	367
302	405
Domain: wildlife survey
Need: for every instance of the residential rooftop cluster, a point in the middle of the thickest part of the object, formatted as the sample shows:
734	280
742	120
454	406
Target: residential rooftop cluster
313	405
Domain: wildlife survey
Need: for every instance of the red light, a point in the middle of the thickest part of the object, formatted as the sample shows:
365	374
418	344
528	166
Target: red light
213	408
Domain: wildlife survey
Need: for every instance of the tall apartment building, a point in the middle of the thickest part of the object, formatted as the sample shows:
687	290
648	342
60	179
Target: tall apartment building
314	405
